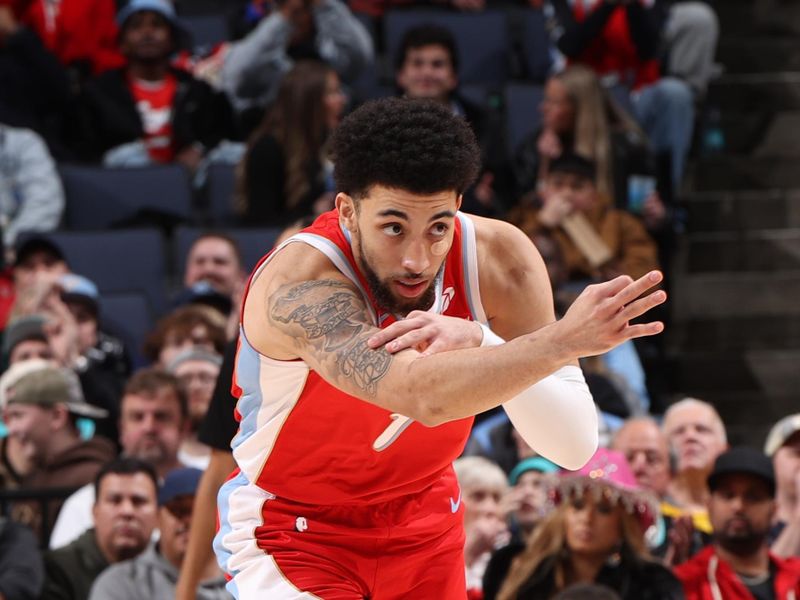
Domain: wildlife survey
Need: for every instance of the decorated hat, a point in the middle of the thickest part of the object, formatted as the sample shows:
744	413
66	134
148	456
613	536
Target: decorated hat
608	475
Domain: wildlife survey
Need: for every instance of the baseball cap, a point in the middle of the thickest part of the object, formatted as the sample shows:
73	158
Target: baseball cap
179	482
742	460
22	329
41	382
31	245
534	463
78	288
781	432
162	7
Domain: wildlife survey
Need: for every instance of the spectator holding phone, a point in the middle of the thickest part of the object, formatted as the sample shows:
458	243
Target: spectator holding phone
578	116
598	242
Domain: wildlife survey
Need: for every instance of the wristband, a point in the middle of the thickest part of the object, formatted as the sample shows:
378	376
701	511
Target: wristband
490	338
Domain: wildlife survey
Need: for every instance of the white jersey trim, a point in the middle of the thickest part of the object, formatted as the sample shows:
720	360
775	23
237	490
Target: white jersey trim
469	256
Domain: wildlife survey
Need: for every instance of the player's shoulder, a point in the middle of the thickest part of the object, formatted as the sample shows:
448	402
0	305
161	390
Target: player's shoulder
295	263
498	240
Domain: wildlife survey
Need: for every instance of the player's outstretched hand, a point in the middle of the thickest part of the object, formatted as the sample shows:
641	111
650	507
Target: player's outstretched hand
599	319
428	333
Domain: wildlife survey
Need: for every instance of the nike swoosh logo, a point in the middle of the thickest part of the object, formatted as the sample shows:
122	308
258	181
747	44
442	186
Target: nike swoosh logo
454	505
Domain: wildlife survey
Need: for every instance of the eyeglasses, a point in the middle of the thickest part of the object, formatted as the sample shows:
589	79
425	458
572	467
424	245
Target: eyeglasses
181	507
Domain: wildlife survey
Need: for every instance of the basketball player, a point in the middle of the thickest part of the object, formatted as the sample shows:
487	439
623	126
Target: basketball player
345	488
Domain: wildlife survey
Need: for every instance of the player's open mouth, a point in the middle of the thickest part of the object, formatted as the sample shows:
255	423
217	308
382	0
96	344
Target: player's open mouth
410	288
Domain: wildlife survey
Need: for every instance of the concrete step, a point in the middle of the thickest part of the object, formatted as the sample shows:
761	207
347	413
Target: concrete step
774	91
742	210
736	295
737	172
758	53
744	250
736	334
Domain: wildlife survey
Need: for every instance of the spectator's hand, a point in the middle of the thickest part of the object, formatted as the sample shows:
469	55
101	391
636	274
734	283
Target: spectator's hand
469	5
599	319
8	22
428	333
653	211
680	541
554	210
484	534
61	330
549	144
512	500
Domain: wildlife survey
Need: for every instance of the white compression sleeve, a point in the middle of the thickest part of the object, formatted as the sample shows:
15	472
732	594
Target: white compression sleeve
556	416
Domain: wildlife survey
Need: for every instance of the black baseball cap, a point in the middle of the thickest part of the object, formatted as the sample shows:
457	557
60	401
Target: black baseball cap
742	460
31	245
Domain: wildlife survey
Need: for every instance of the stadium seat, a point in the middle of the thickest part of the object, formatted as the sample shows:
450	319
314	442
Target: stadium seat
220	188
206	30
482	39
99	198
535	45
253	243
121	261
522	112
128	316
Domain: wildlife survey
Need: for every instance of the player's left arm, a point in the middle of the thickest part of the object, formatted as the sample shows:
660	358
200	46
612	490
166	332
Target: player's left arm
517	297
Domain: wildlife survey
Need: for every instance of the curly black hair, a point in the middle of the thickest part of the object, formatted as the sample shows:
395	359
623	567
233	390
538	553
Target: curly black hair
416	145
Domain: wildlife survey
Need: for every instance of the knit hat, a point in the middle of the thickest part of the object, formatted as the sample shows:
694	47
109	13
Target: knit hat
533	463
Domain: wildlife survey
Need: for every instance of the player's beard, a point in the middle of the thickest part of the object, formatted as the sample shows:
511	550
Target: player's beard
382	292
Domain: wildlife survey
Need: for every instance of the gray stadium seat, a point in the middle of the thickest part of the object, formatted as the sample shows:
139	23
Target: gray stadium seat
535	45
522	112
122	261
99	198
128	316
206	30
220	186
482	40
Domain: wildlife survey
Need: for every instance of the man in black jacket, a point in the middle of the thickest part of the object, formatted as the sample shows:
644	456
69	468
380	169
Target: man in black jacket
148	111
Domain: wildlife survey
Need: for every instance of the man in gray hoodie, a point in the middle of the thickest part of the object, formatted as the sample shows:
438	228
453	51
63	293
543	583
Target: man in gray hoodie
153	574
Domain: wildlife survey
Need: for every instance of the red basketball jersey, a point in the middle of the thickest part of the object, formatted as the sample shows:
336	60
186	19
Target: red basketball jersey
302	439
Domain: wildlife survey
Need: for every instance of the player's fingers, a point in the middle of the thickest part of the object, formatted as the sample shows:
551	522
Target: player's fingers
612	287
643	330
395	330
632	291
638	307
438	345
408	340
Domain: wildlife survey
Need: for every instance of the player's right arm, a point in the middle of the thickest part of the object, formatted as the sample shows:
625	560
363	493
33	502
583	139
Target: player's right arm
302	307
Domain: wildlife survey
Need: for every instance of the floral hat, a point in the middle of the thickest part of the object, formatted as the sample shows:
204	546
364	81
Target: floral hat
608	475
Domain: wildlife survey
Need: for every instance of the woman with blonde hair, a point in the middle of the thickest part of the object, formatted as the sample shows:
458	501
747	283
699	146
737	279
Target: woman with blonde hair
579	116
595	534
286	174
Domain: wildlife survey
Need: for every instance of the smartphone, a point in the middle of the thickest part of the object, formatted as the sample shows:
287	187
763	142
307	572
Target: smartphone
639	189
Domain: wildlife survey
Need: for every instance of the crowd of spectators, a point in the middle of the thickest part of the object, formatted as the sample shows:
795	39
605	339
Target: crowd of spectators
105	446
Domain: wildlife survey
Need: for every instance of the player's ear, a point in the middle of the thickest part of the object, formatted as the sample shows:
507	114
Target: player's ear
346	206
459	200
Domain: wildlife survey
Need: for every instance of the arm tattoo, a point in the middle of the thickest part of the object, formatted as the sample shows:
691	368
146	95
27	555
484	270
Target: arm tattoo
333	319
